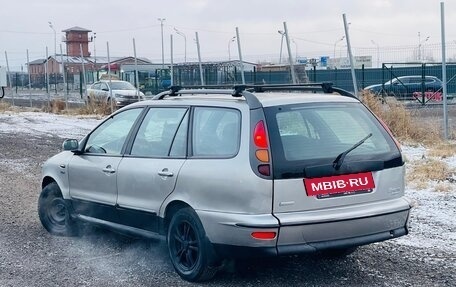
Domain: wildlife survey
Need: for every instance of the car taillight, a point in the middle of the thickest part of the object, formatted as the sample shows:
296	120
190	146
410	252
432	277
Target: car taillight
259	135
260	139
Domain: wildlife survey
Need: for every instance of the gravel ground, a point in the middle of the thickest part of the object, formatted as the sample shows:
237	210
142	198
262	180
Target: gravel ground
29	256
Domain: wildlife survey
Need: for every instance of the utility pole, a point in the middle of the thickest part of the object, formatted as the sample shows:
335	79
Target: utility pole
84	86
29	78
444	74
136	70
163	45
350	54
172	60
281	45
290	56
240	55
64	78
95	53
55	55
199	59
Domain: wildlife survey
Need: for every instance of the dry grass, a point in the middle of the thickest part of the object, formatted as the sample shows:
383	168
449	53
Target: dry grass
428	170
401	121
444	187
94	108
4	106
57	106
443	150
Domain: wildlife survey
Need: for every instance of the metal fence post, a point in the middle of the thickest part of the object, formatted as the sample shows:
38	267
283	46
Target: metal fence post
423	79
362	77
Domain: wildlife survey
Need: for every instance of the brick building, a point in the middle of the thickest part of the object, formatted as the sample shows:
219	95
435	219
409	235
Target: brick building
71	62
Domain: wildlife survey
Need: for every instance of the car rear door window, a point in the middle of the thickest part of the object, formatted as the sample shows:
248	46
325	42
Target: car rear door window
216	132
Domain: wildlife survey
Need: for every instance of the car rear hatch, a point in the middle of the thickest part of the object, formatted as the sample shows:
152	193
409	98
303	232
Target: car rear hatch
328	158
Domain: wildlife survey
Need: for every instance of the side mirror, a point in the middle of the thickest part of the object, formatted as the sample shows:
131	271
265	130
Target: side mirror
70	144
105	89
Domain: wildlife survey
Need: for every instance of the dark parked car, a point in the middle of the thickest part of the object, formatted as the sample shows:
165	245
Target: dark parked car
410	88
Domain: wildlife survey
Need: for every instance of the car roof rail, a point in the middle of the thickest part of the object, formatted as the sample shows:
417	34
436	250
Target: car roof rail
246	90
325	87
235	91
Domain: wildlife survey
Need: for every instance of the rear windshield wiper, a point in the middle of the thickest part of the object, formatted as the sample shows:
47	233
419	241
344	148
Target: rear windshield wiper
340	158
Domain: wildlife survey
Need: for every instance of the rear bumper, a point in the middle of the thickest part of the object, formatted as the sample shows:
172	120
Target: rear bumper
232	251
231	234
341	243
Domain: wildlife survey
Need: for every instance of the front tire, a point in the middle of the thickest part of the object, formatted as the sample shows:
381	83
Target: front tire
54	212
189	249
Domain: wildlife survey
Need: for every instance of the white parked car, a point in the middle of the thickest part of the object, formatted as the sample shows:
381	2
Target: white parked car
123	93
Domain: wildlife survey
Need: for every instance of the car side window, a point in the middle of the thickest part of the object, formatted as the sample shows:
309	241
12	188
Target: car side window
96	86
158	131
216	132
103	86
179	148
110	136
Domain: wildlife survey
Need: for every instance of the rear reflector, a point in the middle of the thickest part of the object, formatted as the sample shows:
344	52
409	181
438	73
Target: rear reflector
264	169
262	155
264	235
259	135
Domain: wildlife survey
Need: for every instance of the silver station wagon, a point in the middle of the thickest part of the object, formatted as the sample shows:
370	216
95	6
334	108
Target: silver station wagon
233	172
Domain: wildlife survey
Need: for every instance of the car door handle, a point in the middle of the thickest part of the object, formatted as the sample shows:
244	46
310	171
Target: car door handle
165	172
109	169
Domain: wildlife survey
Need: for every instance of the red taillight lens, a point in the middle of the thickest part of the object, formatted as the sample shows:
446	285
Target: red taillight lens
259	135
264	235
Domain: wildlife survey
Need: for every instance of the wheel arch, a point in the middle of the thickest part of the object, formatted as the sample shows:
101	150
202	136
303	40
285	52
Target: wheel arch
49	179
46	181
170	210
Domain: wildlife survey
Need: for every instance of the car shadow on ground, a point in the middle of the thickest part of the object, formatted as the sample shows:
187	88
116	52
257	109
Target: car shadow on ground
150	256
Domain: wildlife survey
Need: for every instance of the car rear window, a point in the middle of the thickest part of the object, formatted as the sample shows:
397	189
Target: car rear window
304	137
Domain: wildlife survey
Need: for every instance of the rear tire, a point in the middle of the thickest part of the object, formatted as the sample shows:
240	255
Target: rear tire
189	249
54	212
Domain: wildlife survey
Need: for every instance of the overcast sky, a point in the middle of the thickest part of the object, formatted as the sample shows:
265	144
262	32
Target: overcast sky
314	25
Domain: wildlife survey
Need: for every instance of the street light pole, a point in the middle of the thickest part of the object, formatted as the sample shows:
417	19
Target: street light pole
334	53
378	53
229	47
185	43
163	45
55	38
420	44
281	45
296	49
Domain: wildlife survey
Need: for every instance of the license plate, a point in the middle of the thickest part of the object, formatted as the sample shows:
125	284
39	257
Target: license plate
340	184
